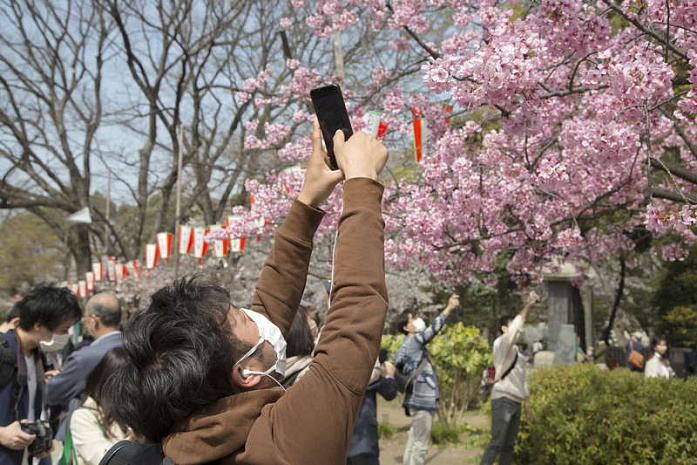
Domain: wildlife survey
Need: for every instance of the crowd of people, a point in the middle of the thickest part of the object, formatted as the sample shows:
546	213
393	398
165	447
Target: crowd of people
195	379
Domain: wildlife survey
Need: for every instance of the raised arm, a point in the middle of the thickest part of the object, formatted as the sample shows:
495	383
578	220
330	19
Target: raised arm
312	423
437	324
282	281
516	328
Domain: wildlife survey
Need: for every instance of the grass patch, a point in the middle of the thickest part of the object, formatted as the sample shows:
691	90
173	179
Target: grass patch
386	430
445	434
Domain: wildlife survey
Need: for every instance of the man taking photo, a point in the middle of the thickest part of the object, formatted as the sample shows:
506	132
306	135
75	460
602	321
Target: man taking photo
203	374
45	311
510	389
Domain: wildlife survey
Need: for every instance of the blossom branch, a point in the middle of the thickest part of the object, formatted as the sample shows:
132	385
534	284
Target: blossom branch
647	30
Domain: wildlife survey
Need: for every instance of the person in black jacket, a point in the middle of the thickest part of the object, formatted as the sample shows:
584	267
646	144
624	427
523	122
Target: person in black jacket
364	449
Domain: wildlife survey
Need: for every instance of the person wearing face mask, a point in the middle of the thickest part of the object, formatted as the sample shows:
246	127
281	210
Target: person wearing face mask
102	321
421	399
203	375
44	312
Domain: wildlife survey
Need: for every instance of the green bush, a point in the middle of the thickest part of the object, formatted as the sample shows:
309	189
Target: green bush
459	354
586	416
442	433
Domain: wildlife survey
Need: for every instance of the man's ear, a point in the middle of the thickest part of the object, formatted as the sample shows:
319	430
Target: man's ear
244	382
15	322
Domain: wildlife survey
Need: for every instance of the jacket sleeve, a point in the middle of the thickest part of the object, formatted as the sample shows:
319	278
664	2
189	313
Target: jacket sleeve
313	422
429	333
67	384
282	280
388	388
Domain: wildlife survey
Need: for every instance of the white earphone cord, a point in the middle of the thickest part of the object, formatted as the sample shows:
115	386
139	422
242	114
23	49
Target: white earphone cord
249	372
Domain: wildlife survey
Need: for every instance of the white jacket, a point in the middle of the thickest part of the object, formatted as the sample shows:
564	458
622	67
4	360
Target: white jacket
90	443
655	368
515	385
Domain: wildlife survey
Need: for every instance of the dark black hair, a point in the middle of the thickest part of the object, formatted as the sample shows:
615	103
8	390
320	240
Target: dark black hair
181	351
48	306
652	347
403	320
14	313
300	341
113	361
505	321
110	316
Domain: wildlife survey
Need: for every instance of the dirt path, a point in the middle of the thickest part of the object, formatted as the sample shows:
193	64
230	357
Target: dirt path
467	452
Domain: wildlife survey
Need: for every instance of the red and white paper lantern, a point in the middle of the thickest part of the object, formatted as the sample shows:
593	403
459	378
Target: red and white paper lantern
221	248
200	248
121	272
421	135
98	271
151	256
237	244
89	279
111	269
133	268
186	239
164	244
82	287
374	124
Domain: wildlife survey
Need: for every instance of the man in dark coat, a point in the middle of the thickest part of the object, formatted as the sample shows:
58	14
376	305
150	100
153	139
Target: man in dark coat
364	448
103	323
45	311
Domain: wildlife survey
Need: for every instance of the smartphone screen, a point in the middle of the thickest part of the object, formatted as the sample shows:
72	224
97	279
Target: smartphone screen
332	115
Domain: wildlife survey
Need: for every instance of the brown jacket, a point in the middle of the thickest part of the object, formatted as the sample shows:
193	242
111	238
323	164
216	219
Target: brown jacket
312	423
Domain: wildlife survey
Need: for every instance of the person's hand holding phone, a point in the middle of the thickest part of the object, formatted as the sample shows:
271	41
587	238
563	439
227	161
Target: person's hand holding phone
320	180
362	156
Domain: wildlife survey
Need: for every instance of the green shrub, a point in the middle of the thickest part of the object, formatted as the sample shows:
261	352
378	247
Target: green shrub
442	433
459	354
587	416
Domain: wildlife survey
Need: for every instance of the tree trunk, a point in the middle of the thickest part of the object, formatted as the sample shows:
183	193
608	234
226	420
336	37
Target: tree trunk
79	245
616	305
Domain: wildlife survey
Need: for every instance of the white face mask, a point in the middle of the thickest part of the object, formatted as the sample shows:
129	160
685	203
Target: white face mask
57	342
270	333
419	325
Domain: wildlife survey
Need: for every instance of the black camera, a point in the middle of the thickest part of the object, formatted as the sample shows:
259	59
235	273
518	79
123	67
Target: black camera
44	437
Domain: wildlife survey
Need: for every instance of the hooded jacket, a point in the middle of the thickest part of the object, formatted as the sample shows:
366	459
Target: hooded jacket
312	423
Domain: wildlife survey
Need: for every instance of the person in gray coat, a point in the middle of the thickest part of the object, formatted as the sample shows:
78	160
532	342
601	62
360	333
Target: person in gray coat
102	321
421	401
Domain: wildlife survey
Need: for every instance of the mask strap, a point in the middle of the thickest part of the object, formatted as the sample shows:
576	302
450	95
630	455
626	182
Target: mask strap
252	350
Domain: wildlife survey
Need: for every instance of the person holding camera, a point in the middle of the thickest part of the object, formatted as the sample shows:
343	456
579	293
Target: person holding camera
46	311
421	400
510	388
203	375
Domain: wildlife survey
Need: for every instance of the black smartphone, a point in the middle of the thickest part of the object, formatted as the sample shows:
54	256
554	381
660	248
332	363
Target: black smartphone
332	115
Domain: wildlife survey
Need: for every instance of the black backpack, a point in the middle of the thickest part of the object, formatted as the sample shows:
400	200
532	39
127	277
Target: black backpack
8	364
133	453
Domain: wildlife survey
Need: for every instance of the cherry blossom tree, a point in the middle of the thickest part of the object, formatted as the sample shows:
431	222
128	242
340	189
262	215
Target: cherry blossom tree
560	128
